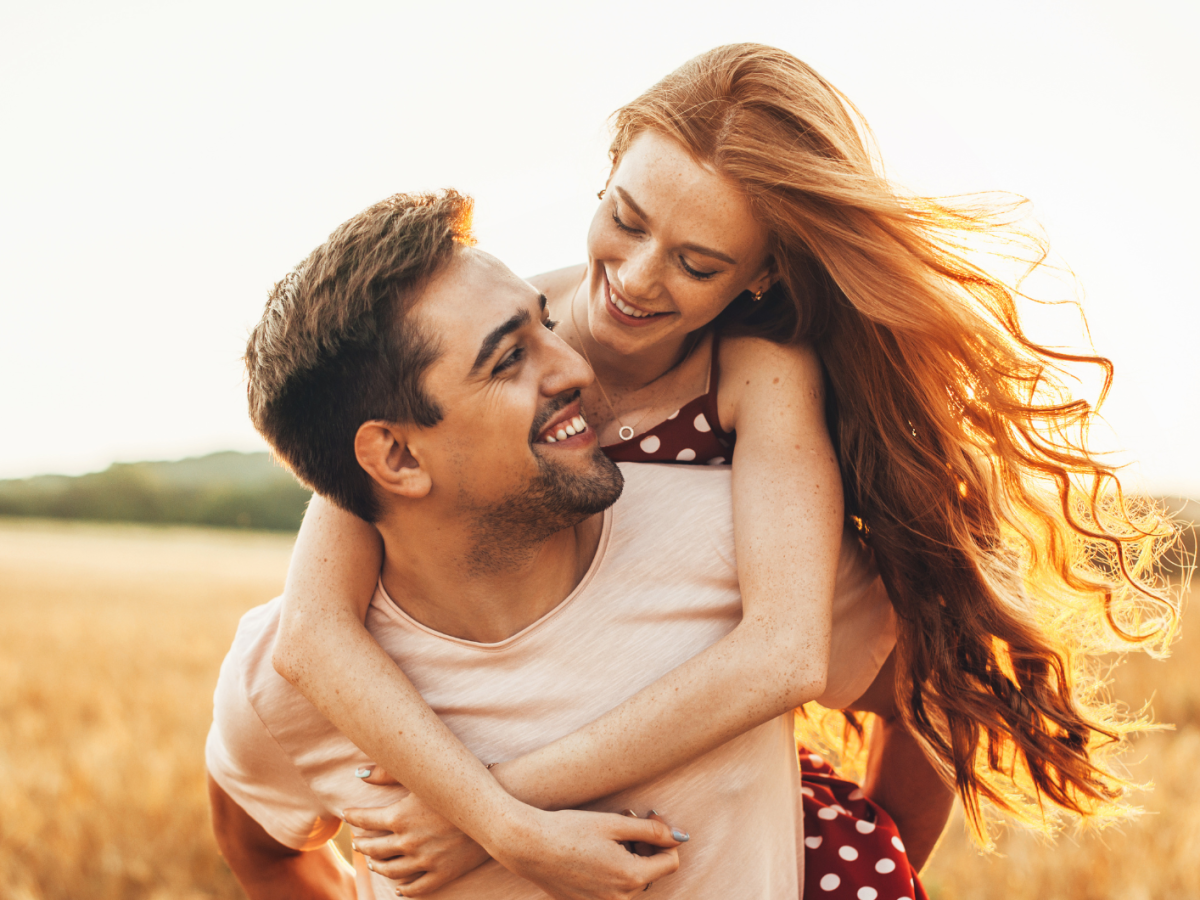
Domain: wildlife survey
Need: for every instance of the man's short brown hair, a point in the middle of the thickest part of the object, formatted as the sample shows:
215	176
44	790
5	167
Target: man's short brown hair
336	346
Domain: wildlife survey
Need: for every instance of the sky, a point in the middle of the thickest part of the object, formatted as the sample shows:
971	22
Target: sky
164	164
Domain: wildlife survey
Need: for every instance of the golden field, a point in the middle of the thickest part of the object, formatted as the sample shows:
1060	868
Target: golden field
110	641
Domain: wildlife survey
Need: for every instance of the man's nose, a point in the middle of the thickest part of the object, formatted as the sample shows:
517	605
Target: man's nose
565	370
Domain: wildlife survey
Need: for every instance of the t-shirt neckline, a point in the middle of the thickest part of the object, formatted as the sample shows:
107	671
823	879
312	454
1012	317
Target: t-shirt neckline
394	609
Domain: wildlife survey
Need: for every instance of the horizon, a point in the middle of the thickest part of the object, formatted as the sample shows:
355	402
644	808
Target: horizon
170	168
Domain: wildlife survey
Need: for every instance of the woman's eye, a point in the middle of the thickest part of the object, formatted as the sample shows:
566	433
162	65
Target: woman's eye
695	273
510	360
617	221
550	324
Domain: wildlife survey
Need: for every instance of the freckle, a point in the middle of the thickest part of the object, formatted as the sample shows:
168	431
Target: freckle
776	381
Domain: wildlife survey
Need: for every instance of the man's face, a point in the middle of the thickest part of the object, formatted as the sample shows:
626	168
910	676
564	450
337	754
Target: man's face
508	387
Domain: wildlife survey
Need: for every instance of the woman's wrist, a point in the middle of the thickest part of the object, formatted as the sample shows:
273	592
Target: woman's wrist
509	830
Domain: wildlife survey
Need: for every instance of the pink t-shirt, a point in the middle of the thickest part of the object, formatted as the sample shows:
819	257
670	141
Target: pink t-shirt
662	587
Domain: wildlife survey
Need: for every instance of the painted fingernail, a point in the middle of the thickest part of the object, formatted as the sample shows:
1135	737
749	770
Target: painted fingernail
370	865
363	771
680	836
354	846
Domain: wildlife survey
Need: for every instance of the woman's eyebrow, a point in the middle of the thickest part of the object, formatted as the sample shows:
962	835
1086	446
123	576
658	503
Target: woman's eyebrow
695	248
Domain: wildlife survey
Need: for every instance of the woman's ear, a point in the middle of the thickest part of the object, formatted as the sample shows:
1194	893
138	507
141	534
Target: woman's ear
383	450
766	278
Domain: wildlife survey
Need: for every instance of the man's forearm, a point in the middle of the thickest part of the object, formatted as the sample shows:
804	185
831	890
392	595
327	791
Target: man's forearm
265	868
901	779
315	875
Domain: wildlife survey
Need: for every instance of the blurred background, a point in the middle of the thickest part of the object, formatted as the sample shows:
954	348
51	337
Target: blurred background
164	164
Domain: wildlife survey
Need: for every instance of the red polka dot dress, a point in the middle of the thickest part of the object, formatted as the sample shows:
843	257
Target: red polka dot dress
853	849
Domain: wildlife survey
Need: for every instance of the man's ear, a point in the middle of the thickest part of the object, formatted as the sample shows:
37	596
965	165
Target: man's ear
382	449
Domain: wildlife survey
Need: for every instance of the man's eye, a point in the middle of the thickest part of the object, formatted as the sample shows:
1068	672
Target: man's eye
510	360
551	324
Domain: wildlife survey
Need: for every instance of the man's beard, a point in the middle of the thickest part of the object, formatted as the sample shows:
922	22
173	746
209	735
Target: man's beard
556	499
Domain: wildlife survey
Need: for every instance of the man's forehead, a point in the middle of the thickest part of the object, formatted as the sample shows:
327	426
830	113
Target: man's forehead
473	287
469	307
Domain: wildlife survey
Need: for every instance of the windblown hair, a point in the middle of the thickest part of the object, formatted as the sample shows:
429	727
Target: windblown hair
336	347
1009	551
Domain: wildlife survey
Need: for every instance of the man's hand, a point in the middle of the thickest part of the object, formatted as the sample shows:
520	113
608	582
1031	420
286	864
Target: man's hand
268	870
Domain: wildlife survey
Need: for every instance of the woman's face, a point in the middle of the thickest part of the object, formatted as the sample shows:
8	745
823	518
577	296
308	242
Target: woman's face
671	245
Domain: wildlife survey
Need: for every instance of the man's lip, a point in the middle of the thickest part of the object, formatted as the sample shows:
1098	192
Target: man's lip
568	412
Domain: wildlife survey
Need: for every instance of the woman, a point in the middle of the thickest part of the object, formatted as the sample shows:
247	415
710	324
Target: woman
748	258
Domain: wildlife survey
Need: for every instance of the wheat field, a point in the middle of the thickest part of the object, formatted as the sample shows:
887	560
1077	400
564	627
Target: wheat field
110	641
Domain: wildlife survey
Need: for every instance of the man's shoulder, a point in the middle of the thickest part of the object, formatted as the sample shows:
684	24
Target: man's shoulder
683	510
249	672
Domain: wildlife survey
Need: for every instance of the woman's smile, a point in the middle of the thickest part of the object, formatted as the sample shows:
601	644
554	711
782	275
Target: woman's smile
624	312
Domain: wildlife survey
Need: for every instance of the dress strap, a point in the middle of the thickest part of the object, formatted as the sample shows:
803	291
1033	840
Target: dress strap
709	407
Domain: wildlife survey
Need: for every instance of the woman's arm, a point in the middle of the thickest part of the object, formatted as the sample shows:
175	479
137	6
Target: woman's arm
325	651
788	523
787	504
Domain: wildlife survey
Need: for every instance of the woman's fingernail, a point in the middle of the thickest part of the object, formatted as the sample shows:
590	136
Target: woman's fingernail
653	812
680	836
629	812
363	771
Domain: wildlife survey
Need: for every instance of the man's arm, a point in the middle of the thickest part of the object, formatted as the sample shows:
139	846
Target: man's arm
899	776
269	870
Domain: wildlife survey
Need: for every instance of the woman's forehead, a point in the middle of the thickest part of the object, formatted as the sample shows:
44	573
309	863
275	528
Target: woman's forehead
668	186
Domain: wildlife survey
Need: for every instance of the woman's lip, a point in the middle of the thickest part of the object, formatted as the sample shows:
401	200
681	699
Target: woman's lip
625	318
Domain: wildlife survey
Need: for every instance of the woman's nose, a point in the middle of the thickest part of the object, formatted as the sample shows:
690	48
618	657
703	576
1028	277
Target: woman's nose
639	273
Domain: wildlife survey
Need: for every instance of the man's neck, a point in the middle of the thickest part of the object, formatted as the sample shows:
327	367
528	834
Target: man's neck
433	576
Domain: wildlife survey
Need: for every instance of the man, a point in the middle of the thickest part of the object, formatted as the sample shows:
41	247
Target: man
410	378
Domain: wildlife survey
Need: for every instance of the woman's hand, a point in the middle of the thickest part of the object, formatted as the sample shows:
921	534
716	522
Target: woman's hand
414	846
571	855
574	855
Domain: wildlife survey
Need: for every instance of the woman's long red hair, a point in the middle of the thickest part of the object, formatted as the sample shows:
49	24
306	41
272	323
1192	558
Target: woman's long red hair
1008	548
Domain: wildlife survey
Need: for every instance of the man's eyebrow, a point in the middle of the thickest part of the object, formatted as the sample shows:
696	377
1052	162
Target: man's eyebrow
496	335
695	248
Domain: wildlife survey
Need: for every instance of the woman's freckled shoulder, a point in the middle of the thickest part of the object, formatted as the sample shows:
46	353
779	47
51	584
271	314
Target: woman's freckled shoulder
745	359
560	283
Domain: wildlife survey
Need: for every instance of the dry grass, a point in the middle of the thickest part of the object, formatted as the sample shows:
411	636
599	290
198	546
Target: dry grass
110	640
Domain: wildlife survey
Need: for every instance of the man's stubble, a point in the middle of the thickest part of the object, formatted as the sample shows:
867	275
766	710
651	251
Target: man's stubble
508	532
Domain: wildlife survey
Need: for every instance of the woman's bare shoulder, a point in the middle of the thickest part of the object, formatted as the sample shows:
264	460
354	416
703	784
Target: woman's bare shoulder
559	283
752	366
753	357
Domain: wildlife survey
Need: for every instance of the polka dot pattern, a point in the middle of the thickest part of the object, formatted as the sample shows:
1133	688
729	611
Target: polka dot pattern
852	849
691	435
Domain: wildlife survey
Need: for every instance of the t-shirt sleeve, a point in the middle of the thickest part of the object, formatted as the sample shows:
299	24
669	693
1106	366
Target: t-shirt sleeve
864	626
251	767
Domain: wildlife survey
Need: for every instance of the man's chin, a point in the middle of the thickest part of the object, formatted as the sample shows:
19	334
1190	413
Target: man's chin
588	487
